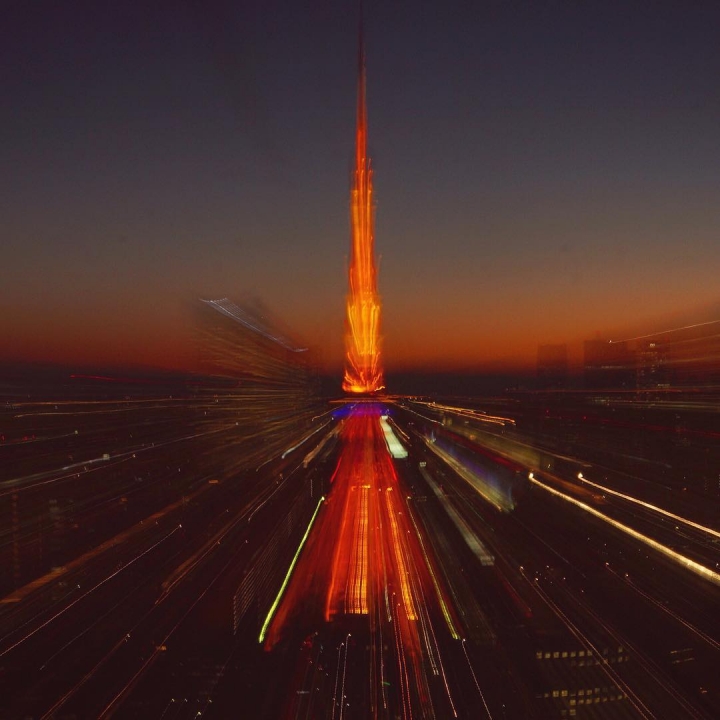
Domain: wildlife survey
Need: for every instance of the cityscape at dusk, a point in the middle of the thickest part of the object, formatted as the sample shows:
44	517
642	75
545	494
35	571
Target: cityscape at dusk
360	360
544	172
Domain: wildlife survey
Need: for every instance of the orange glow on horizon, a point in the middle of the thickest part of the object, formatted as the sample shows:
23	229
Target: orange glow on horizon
363	371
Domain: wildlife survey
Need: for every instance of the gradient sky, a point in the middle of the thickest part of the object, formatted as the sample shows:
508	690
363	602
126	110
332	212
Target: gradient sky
544	172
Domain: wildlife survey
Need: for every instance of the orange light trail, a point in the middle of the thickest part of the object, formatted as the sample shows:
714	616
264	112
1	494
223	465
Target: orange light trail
402	570
363	370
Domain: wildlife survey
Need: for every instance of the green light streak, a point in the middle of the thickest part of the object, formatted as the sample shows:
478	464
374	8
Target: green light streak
274	606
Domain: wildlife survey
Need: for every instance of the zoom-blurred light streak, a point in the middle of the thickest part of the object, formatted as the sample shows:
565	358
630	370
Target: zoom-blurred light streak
491	488
262	387
688	563
394	446
363	369
102	484
473	541
649	506
276	602
462	412
367	559
385	601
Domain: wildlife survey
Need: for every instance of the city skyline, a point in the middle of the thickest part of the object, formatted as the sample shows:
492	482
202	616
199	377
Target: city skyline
241	477
547	174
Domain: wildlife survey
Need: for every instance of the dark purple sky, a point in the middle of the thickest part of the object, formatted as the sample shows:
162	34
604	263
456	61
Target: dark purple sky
544	171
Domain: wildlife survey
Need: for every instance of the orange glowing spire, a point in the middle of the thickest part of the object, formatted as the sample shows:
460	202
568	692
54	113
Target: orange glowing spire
363	371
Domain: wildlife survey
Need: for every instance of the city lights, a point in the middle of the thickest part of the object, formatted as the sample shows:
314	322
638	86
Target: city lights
469	502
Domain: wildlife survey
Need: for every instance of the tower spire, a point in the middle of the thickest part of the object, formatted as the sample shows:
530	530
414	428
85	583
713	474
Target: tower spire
363	371
361	105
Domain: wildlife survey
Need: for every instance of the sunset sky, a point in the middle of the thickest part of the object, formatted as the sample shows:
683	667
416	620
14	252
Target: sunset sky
545	172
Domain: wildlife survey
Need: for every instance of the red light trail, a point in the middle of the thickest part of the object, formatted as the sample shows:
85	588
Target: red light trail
366	557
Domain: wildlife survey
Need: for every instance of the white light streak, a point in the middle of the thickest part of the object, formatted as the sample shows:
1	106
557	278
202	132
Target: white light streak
689	564
655	508
394	446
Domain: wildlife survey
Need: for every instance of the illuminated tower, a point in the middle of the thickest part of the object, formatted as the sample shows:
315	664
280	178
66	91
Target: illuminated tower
363	370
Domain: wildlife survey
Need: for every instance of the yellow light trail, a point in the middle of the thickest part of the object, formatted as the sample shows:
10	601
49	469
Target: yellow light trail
275	604
363	372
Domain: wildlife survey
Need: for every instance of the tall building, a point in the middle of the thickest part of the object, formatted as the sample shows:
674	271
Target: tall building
242	347
363	370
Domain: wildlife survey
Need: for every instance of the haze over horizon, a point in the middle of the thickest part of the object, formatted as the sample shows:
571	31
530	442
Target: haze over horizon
543	174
